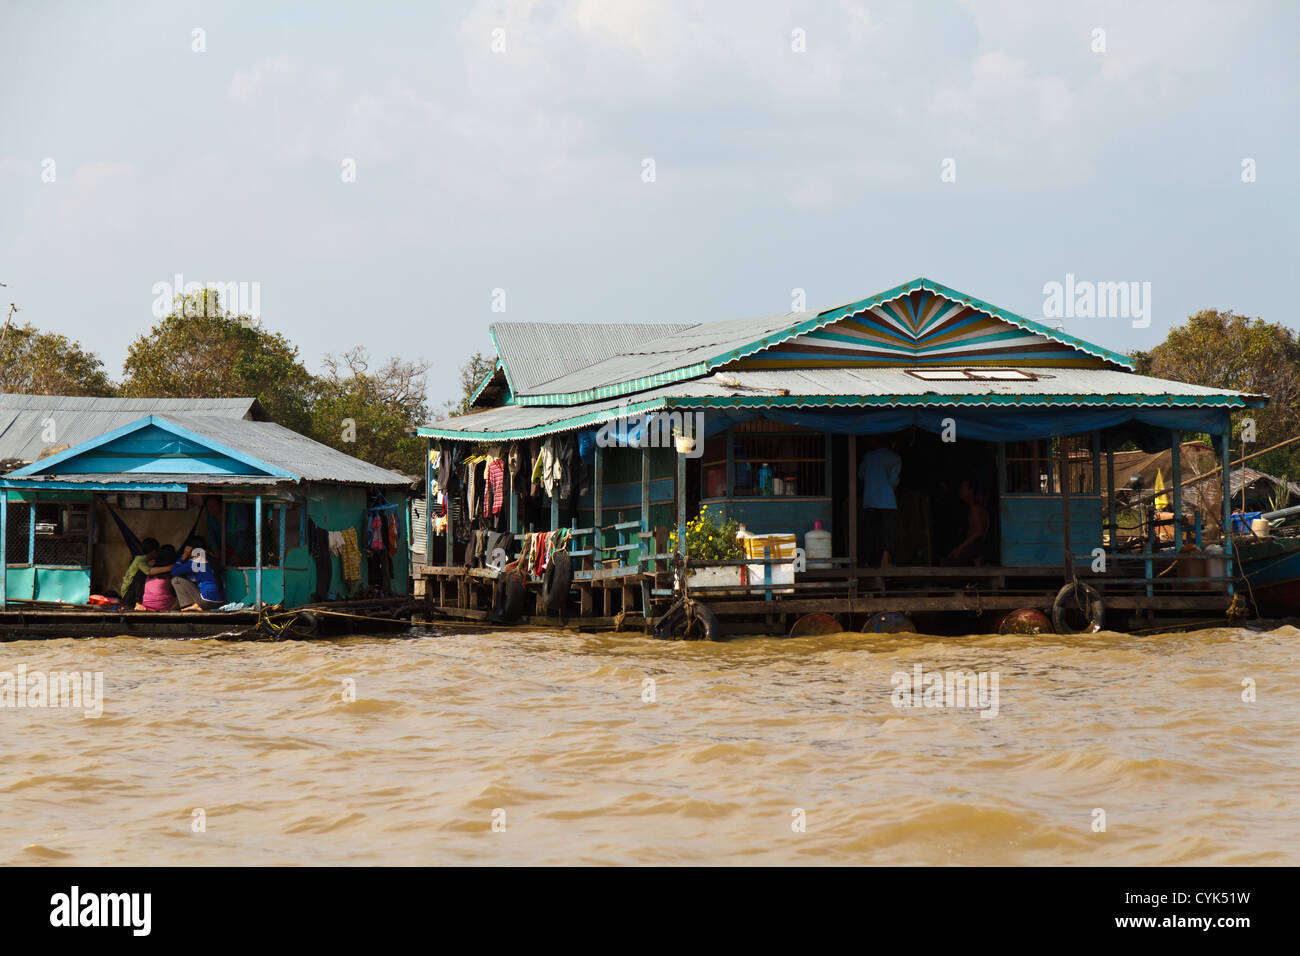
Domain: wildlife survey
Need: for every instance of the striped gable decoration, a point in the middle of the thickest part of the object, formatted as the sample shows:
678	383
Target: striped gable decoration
920	328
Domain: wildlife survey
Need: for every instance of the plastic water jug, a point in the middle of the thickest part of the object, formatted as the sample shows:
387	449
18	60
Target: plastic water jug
817	546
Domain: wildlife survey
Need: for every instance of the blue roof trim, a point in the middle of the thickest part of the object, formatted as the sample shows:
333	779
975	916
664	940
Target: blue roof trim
1227	402
500	361
37	483
45	466
498	367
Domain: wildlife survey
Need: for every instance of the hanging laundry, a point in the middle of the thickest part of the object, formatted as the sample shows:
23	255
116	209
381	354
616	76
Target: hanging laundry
549	472
392	534
515	460
567	456
336	543
351	557
496	473
471	482
376	533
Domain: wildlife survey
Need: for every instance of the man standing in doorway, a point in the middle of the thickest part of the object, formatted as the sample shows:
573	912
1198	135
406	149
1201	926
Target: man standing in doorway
879	472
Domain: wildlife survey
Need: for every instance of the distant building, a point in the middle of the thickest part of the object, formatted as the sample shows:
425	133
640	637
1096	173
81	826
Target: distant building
86	476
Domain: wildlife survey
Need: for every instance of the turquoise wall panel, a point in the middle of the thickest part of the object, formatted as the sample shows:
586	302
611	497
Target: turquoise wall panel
1033	529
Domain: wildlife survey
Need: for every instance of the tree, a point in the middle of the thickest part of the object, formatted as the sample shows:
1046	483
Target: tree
44	363
373	415
204	351
1222	349
472	374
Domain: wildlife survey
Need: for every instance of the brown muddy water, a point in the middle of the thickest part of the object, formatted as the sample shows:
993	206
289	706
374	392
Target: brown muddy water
560	740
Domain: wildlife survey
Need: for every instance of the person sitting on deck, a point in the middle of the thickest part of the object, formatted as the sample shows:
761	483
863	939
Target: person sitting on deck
970	550
158	593
132	589
196	578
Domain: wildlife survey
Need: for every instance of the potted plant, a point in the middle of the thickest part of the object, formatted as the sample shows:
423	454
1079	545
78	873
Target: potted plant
711	536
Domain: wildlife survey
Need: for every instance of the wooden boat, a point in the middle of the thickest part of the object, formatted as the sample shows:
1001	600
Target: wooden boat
1271	567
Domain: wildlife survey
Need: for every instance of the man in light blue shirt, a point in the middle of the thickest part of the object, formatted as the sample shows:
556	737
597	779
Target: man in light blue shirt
879	471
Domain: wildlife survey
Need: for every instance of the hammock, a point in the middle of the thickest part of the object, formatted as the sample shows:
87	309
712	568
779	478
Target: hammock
133	542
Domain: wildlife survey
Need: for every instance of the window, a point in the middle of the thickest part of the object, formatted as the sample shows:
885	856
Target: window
241	533
776	459
18	518
1033	467
62	534
939	375
1001	375
972	375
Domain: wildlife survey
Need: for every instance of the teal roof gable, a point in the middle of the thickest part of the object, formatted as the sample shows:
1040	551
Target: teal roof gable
152	445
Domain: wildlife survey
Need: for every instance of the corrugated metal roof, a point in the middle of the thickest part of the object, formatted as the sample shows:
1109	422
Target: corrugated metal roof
24	419
276	445
536	352
1250	476
846	387
674	349
267	442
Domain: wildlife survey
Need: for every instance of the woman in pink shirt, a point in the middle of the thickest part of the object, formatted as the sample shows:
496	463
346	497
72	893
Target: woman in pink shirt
158	593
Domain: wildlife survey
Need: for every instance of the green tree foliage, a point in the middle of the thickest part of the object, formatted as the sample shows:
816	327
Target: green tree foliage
202	350
373	415
472	374
33	362
1220	349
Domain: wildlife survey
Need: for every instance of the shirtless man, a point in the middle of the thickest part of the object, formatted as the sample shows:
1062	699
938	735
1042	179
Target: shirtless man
970	550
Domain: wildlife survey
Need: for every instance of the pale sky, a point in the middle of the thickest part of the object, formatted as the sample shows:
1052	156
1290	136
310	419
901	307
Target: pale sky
775	168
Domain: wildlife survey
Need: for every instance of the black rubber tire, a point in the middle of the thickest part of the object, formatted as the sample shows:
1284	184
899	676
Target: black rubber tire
510	600
707	623
673	625
556	581
1066	598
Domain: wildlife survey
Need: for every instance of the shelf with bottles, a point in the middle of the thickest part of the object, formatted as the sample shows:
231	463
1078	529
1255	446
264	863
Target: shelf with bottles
768	459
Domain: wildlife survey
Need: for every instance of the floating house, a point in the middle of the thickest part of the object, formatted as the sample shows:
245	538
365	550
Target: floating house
770	422
88	478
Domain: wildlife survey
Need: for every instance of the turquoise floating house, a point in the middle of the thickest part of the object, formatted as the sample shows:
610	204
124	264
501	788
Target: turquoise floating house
785	408
90	476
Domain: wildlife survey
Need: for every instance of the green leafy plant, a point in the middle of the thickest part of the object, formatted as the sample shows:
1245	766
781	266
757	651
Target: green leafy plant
711	536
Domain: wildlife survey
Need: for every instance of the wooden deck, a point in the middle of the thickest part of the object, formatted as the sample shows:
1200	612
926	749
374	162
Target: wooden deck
617	598
44	620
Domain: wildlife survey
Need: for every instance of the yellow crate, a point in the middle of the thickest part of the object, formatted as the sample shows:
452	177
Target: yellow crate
781	545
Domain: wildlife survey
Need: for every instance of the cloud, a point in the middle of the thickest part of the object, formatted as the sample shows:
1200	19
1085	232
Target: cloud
247	82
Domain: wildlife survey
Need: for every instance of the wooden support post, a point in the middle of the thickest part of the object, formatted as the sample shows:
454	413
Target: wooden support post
257	522
828	471
513	497
1110	500
681	504
853	501
597	494
1096	477
1176	471
4	546
1002	489
729	435
1225	450
428	502
1064	469
645	488
1147	568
